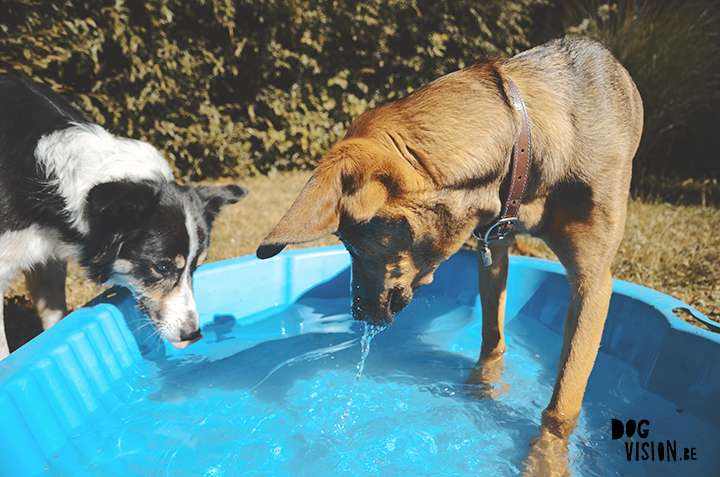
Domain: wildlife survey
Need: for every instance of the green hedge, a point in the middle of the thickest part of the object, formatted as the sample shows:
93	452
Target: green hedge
235	87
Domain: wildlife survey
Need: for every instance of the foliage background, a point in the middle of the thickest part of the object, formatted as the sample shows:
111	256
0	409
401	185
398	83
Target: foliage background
237	87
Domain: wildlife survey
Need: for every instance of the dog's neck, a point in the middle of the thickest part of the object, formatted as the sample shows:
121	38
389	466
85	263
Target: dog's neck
519	167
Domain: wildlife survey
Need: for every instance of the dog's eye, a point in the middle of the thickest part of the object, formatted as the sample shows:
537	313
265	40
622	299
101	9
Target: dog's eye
165	269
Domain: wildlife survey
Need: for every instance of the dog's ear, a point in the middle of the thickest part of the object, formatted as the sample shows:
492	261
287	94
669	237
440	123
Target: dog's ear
362	205
116	212
313	215
215	197
122	206
353	181
318	210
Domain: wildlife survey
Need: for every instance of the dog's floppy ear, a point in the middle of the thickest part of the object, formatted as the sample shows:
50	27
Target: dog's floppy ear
215	197
116	212
313	215
122	206
318	209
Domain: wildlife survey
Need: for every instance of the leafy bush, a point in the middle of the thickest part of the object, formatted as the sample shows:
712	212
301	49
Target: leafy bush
229	87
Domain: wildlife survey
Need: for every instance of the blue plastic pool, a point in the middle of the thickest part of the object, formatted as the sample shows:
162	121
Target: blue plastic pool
266	392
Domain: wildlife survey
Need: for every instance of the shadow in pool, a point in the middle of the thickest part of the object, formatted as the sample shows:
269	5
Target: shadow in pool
270	368
286	348
222	326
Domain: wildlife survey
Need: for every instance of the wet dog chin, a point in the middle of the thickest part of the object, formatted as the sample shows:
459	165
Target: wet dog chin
184	344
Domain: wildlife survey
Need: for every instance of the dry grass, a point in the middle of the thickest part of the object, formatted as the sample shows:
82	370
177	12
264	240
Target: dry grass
241	227
673	249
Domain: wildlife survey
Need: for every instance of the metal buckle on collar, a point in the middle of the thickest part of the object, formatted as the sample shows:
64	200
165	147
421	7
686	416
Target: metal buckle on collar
496	233
499	230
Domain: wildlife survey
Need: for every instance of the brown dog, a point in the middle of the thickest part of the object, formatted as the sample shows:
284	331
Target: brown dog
412	179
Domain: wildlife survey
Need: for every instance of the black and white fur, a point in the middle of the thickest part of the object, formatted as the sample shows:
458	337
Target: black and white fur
70	189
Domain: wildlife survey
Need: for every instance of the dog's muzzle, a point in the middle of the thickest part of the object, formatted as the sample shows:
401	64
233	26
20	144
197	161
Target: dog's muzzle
383	310
187	340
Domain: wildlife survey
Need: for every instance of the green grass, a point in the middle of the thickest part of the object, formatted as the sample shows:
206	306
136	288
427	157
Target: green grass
673	249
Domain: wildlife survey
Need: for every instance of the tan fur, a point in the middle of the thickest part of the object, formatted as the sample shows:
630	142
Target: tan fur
179	261
413	178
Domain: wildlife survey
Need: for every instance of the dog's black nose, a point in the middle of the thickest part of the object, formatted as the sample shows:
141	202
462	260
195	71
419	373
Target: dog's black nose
397	300
190	336
373	315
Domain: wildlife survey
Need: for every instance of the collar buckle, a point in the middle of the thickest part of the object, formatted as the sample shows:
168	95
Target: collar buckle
494	234
498	231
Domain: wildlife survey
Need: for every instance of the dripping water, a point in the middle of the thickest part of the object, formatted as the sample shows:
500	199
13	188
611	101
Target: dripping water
368	334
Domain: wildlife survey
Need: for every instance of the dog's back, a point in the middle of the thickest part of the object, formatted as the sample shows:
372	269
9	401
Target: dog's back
588	113
28	111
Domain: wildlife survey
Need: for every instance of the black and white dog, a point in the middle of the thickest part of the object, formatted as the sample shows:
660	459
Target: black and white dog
69	188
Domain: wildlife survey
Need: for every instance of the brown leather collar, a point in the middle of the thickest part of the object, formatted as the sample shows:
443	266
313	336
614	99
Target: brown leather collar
522	153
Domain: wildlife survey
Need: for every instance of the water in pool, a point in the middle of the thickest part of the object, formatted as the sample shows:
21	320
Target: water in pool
285	396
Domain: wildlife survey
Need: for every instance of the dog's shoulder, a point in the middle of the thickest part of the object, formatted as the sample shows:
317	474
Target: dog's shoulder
573	53
33	108
570	66
29	111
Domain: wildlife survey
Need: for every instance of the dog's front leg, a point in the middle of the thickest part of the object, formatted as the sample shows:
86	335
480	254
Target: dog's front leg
4	348
493	291
46	286
586	250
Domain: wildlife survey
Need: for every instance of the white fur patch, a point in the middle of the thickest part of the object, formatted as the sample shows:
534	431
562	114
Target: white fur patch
22	249
85	155
121	271
194	243
181	304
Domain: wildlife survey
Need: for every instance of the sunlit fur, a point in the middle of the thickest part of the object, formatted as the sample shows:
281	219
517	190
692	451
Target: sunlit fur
77	158
70	189
413	178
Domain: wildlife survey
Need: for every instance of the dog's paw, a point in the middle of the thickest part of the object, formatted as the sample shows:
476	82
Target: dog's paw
485	381
548	456
487	391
